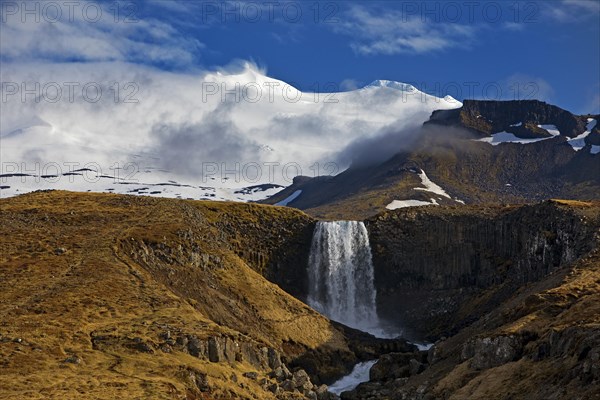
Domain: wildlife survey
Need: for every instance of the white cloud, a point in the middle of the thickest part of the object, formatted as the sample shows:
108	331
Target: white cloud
73	36
594	105
391	33
349	84
587	5
526	87
513	26
571	10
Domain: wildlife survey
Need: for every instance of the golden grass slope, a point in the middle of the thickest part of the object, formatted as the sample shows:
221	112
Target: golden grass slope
76	266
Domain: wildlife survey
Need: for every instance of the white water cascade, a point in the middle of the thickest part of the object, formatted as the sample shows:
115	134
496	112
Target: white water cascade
340	274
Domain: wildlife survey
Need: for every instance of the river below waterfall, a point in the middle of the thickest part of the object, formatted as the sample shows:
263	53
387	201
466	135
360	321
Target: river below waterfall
359	374
342	286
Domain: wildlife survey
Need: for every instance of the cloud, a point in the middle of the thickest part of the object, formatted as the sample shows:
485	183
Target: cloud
349	84
513	26
175	126
594	105
185	148
388	141
583	5
172	126
525	87
591	99
93	36
390	32
571	10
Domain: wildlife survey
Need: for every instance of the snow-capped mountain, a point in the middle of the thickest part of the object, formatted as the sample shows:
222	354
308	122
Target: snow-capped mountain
482	152
218	135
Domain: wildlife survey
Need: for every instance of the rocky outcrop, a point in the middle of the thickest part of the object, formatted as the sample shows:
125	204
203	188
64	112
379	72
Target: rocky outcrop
277	247
271	371
445	267
580	342
398	365
563	359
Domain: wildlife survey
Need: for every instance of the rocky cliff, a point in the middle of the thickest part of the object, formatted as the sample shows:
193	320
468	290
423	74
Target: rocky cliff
439	269
525	304
542	343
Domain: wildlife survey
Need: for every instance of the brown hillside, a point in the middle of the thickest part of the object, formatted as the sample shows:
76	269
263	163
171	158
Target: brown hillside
122	297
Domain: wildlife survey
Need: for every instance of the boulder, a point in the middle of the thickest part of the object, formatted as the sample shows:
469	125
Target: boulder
391	366
415	367
491	352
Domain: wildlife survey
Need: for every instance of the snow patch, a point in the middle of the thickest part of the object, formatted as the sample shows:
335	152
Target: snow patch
591	124
552	129
430	186
451	99
154	184
404	87
407	203
505	137
518	124
578	142
289	199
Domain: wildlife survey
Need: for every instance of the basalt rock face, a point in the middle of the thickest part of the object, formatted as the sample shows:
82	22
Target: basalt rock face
439	269
532	336
276	248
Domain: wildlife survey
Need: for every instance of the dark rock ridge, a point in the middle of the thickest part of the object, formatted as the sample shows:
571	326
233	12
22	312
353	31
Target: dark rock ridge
487	117
439	269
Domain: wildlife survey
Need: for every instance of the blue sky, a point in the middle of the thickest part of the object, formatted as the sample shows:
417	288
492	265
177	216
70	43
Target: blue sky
548	50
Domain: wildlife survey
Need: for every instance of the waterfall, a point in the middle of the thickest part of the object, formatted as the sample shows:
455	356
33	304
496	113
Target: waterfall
340	274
